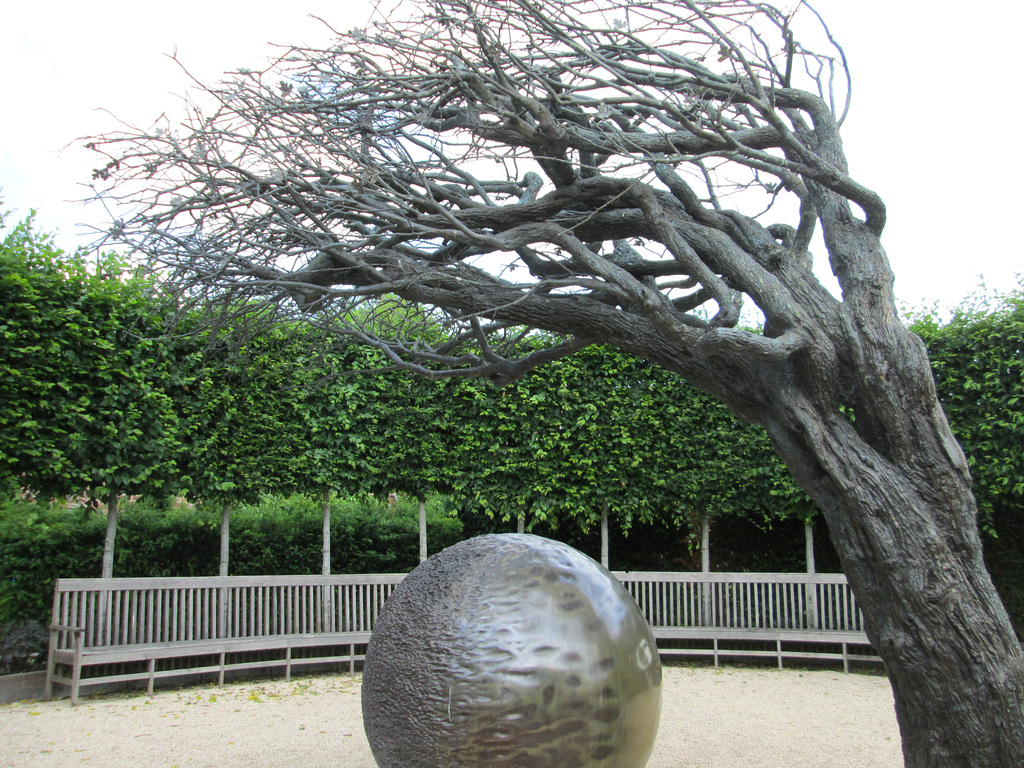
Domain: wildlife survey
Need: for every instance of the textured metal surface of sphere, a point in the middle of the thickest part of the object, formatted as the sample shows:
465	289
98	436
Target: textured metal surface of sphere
511	650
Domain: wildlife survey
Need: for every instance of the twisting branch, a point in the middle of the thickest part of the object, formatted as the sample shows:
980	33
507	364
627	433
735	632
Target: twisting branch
497	159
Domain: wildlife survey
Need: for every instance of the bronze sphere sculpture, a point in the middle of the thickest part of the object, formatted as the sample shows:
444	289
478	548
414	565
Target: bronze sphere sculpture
511	650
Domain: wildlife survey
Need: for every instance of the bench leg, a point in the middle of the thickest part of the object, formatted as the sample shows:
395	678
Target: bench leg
778	651
220	675
76	674
152	674
351	658
51	666
716	652
288	664
846	660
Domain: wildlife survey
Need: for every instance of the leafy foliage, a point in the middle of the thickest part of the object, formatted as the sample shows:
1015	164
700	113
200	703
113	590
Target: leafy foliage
603	426
96	398
83	376
241	424
342	415
40	543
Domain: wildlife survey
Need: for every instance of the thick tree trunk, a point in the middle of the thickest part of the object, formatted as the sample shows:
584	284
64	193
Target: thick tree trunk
854	415
906	533
895	489
107	570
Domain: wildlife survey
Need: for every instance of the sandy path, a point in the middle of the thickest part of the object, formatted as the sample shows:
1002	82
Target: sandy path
725	718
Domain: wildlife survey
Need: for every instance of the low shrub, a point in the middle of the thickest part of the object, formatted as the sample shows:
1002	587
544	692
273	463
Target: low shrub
22	647
39	543
281	535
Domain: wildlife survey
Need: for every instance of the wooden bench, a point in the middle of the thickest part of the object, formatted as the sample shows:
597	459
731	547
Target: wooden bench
780	615
125	630
122	630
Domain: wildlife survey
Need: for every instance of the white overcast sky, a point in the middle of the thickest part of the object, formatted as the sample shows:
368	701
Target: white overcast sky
934	126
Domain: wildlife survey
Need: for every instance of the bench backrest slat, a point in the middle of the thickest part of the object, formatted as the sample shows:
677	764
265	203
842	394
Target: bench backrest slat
790	601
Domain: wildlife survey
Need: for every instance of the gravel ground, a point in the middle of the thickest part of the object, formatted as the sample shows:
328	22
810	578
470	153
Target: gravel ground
711	718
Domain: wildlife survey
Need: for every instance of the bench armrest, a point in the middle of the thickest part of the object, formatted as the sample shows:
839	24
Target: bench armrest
66	628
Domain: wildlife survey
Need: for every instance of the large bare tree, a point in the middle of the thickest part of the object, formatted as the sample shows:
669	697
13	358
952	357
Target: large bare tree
503	165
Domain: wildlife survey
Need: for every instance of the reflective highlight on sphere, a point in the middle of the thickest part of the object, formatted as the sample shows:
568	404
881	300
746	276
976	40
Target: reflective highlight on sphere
511	650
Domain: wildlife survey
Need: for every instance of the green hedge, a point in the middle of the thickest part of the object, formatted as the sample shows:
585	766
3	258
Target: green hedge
95	399
1004	557
366	536
282	535
40	543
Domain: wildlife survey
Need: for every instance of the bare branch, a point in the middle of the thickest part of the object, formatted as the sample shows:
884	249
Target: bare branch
496	160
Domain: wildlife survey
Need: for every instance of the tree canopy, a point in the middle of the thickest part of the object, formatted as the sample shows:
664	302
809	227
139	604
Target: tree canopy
564	167
84	375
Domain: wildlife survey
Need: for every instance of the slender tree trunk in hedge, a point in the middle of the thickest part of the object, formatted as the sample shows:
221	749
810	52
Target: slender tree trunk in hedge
325	567
809	547
423	529
604	533
705	544
107	570
811	596
225	533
